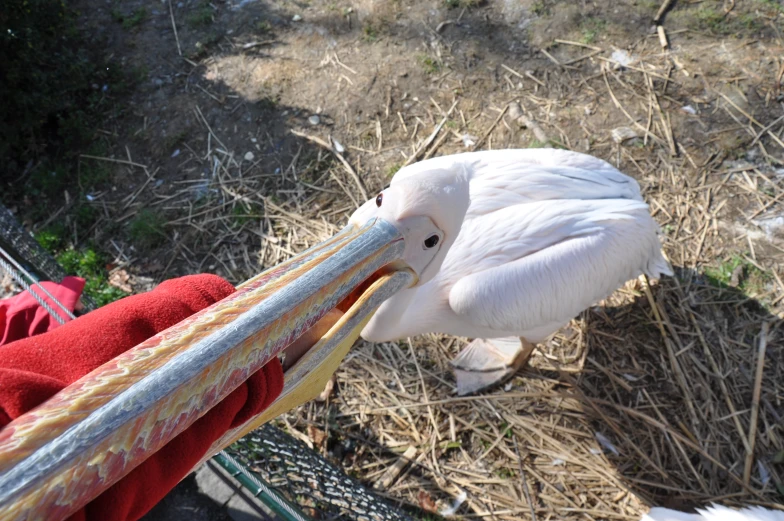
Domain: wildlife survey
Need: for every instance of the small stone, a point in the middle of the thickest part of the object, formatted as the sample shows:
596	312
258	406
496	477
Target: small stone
689	109
339	148
622	58
314	120
249	156
176	153
469	140
515	111
296	18
621	134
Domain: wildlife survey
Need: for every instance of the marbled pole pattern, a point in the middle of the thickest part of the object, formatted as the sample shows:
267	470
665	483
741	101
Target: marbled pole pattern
62	454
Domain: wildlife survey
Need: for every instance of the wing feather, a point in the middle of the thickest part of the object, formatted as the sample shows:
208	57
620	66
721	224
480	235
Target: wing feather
548	263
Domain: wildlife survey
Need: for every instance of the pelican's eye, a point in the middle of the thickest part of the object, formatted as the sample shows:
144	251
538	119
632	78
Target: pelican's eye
379	199
431	241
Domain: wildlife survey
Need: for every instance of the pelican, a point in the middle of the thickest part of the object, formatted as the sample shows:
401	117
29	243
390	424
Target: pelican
715	513
529	239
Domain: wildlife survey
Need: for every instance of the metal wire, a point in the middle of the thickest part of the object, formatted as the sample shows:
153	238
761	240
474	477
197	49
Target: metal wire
289	511
304	477
18	278
35	283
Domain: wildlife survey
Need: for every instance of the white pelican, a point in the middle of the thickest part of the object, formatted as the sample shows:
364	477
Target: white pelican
528	239
715	513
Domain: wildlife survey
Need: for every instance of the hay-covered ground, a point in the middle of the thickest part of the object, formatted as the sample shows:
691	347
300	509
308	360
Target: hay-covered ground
220	161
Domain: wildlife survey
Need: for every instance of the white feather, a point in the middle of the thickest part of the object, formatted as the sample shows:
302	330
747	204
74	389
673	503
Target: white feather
715	513
546	234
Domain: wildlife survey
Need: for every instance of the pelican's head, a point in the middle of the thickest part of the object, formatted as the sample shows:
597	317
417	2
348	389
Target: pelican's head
396	240
316	303
427	202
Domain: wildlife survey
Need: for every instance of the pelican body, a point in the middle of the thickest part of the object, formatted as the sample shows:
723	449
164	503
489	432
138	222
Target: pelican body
532	237
715	513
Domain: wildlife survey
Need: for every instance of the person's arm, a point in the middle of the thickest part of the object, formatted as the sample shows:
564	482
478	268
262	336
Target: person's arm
35	368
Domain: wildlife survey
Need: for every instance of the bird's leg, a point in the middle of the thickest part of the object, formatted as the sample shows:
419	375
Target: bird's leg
484	363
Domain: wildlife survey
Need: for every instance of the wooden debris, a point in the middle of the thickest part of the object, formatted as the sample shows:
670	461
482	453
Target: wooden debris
394	471
662	37
662	9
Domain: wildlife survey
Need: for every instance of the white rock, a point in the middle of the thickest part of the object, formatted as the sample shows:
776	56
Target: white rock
623	58
249	156
314	120
621	134
469	140
296	18
689	109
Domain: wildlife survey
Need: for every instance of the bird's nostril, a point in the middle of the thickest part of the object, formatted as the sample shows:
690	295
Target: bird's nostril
431	241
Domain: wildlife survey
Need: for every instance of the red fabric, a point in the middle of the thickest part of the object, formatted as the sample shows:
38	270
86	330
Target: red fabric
22	316
33	369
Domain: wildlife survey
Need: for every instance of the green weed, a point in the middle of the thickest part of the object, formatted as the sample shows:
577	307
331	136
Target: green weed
91	266
241	215
738	272
429	65
200	17
369	33
147	229
132	20
590	28
711	19
52	238
392	170
539	8
463	4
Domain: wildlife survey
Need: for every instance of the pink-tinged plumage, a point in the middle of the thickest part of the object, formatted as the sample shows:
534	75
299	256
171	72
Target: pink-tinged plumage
715	513
531	238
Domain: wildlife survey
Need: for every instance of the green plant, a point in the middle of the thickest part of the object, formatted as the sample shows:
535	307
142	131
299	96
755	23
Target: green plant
135	19
505	473
539	8
738	272
711	19
147	229
370	33
590	28
463	4
553	143
172	140
52	238
429	65
241	215
91	266
392	170
773	5
200	17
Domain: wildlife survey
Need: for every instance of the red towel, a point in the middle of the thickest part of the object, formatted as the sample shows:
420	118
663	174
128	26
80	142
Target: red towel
22	315
33	369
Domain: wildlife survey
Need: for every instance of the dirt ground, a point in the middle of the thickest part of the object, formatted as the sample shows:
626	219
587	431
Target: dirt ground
649	400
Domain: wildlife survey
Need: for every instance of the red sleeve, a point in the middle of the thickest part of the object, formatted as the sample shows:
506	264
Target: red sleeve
33	369
22	316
